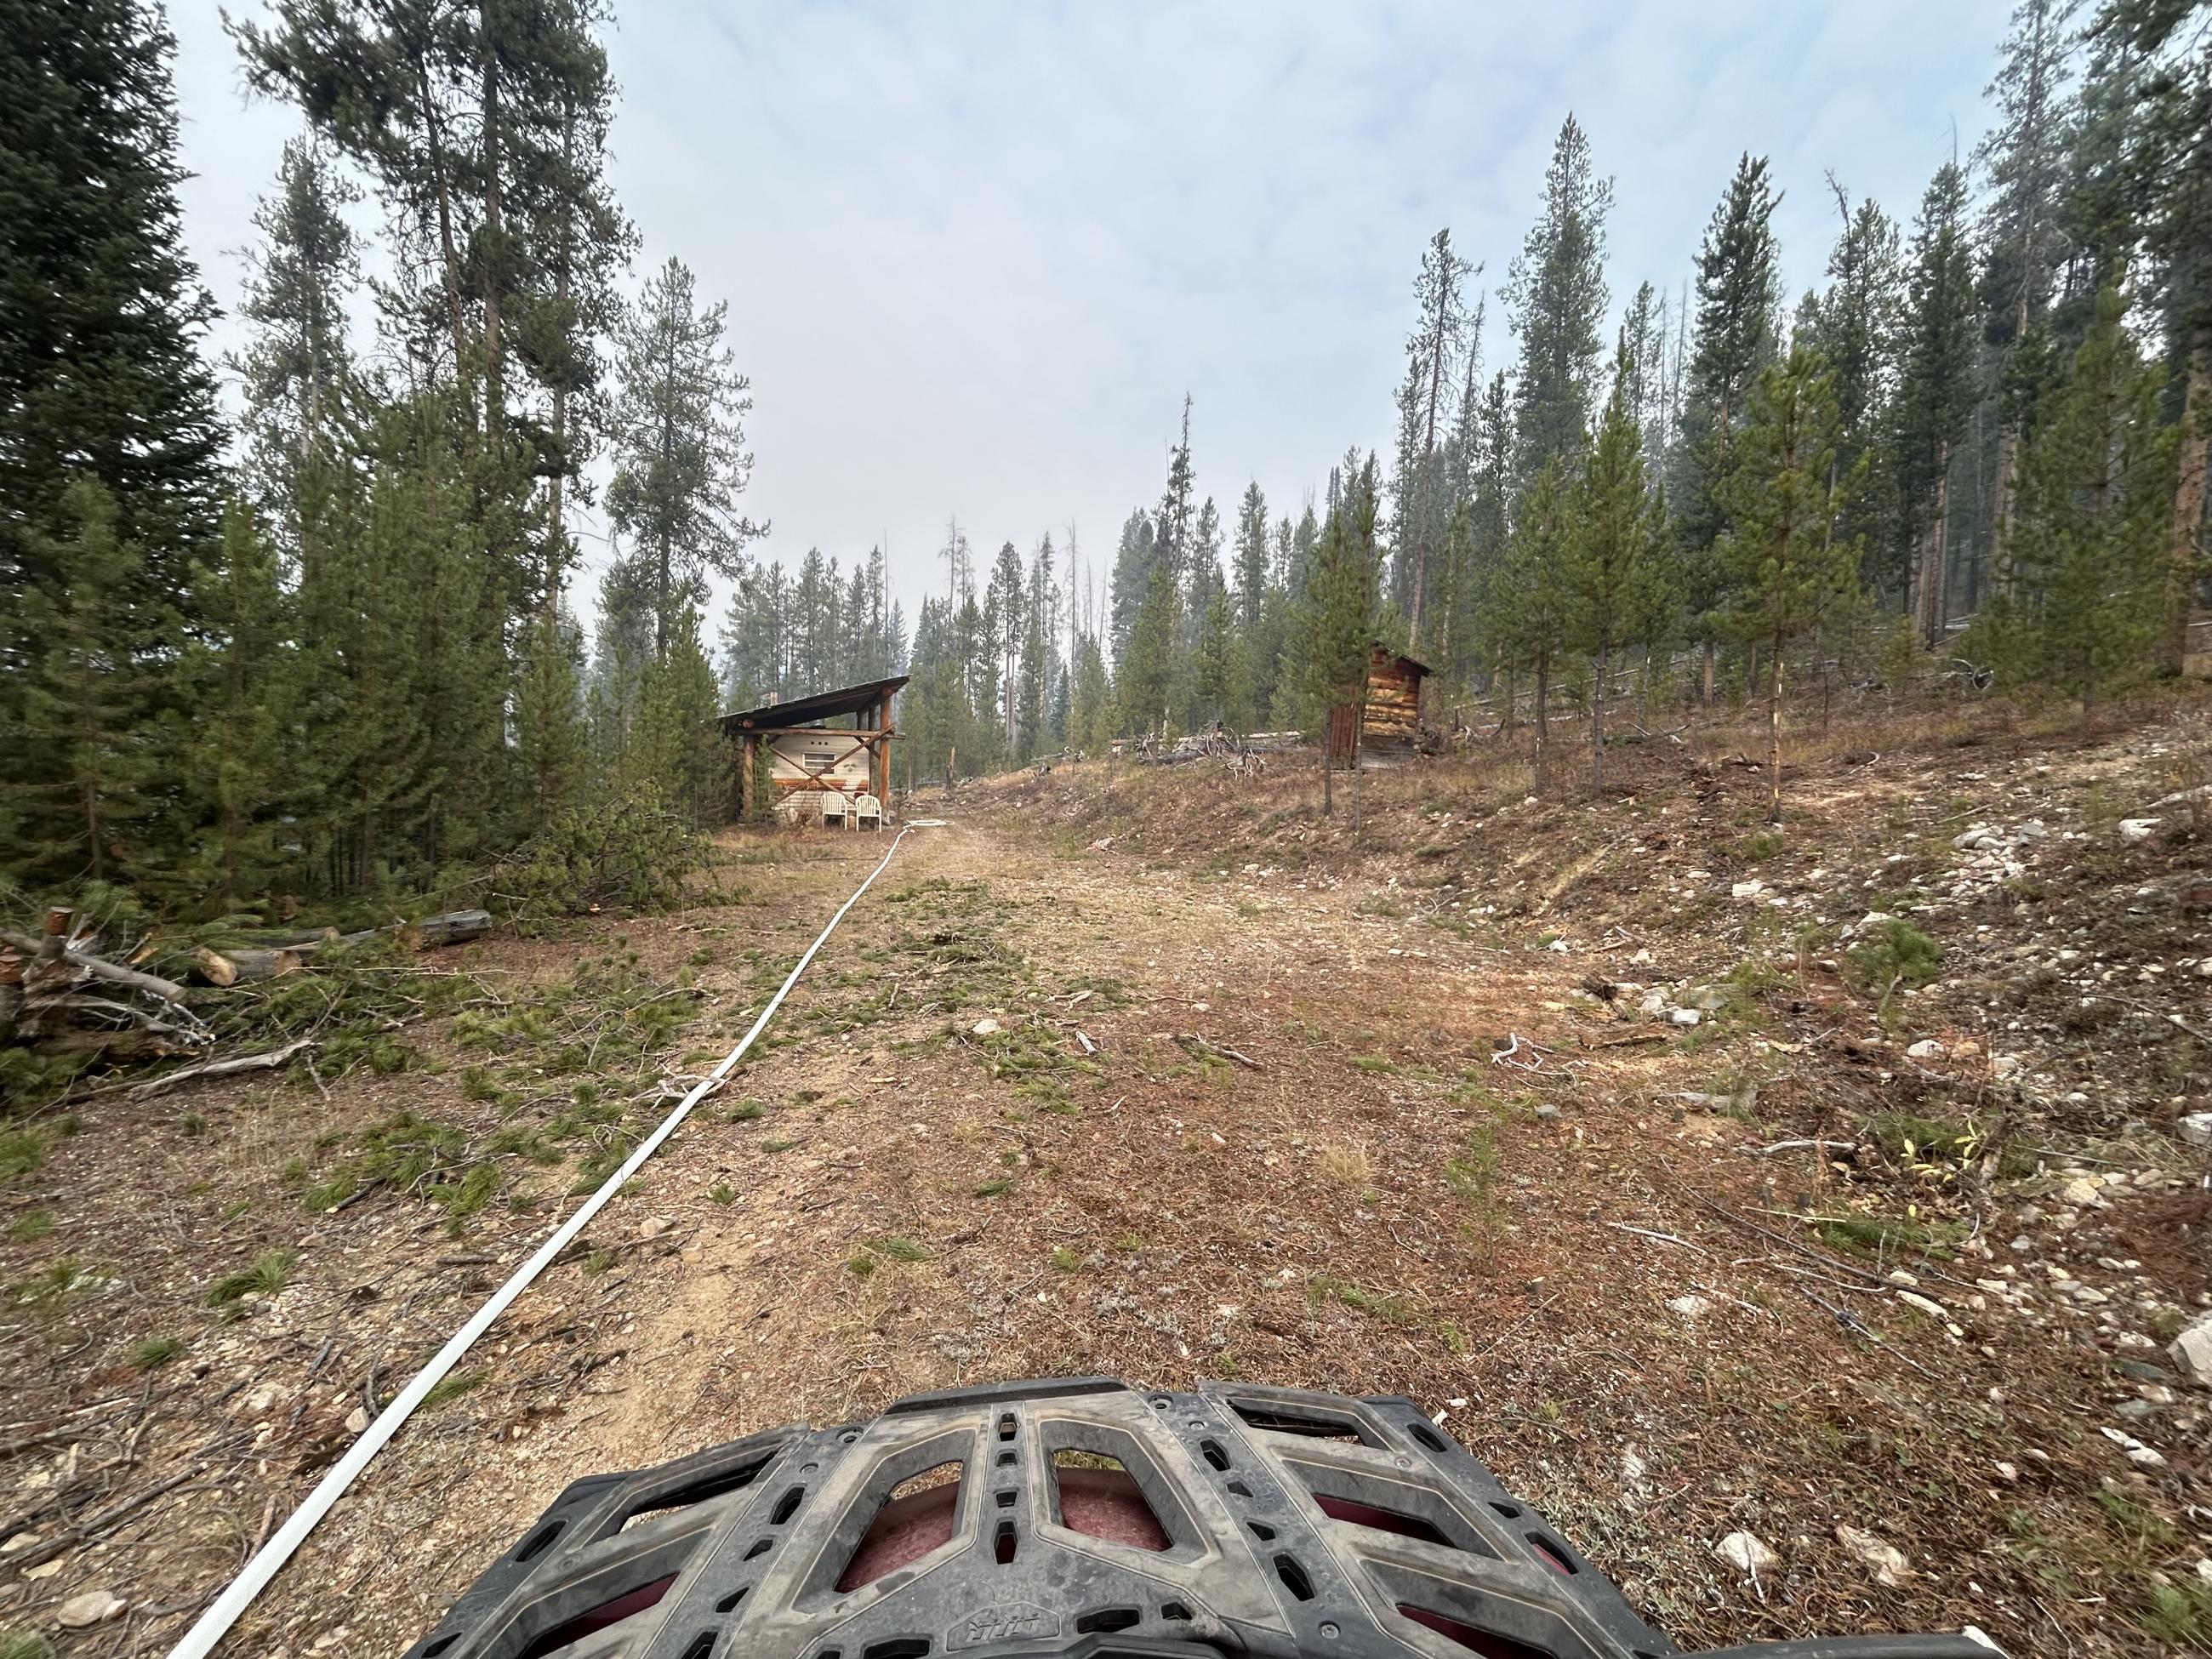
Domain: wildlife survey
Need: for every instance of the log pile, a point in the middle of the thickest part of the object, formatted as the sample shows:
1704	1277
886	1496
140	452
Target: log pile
60	995
267	957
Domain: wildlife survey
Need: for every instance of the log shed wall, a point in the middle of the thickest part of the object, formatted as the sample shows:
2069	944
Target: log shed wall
1385	725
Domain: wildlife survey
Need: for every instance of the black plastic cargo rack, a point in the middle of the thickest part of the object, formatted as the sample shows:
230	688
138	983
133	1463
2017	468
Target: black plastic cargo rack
1077	1517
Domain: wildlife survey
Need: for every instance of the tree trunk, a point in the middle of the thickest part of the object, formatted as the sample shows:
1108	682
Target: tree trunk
1933	568
495	263
2001	511
2188	511
1597	727
449	255
1543	715
1706	695
1774	739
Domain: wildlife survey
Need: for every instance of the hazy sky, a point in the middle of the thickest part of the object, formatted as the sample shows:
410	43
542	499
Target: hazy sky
976	253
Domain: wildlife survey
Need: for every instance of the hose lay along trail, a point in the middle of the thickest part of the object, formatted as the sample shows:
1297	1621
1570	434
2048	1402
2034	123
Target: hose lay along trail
217	1621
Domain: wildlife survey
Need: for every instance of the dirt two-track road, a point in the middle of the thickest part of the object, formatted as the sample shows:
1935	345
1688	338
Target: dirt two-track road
1211	1108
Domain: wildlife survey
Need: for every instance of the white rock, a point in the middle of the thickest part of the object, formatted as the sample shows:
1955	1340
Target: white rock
1690	1307
1746	1553
1914	1299
1926	1048
1654	1004
93	1607
2192	1352
1898	1277
1889	1563
2004	1066
985	1027
2082	1193
2197	1128
357	1420
1635	1474
652	1226
1683	1017
2134	831
19	1543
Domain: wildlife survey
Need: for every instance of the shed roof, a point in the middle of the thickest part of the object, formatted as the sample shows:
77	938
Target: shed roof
1388	655
805	711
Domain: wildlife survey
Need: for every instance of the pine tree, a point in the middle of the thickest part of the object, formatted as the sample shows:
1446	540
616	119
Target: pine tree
2024	156
1217	670
1334	629
1935	392
1555	294
1252	557
1738	290
300	285
1790	572
80	702
2161	52
1856	328
1006	603
675	748
109	443
1145	678
1421	503
239	759
679	452
550	734
1610	572
1530	624
1132	580
2095	484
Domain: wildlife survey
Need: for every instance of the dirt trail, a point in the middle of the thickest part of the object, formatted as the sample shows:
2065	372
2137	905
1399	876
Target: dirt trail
1043	1108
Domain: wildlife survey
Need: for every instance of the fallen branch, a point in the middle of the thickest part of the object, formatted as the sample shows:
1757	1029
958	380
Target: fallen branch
1799	1147
105	1521
267	1060
38	956
1664	1238
1515	1043
1199	1045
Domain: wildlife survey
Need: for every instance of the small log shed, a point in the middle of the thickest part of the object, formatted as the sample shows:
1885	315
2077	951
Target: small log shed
1384	726
810	750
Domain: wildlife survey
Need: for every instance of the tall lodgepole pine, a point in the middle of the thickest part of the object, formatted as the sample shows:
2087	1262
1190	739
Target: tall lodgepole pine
1555	296
679	443
1935	391
1790	572
1610	571
1738	292
2157	56
2024	156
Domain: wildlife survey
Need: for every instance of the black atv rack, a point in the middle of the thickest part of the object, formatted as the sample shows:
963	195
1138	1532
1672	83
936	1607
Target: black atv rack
1075	1517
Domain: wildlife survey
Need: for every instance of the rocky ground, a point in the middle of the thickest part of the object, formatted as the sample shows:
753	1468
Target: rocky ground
1805	1220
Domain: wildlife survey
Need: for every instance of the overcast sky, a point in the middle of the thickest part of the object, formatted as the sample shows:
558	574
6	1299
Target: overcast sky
976	253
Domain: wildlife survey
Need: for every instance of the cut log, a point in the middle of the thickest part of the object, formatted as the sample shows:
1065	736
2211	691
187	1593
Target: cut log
247	963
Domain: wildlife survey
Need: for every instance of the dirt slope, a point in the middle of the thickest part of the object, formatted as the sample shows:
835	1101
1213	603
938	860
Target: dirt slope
1241	1093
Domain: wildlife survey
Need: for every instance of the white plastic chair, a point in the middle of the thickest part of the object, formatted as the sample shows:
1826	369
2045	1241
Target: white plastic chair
867	813
833	811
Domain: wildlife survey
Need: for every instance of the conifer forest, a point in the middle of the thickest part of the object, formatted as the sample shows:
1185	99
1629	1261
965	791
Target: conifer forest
334	644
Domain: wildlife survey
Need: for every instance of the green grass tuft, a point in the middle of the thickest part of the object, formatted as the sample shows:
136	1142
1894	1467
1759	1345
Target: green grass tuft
265	1276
